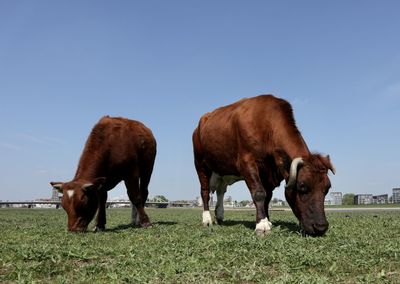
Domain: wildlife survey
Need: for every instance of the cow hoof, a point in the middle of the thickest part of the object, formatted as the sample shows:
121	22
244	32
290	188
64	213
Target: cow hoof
135	222
207	221
145	225
219	221
263	227
99	229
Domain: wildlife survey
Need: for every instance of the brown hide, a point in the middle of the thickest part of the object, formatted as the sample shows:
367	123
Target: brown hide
117	149
257	139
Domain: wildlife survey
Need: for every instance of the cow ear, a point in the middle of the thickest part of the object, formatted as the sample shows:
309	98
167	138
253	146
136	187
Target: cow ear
95	185
88	187
329	164
99	182
57	185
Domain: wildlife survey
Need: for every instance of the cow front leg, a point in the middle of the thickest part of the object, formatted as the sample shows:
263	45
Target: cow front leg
263	225
251	175
101	213
135	196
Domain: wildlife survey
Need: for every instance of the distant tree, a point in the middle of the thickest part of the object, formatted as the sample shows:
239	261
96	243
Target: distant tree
160	198
348	199
244	203
275	200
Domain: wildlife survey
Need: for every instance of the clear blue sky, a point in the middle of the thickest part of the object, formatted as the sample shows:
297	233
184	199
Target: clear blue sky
64	64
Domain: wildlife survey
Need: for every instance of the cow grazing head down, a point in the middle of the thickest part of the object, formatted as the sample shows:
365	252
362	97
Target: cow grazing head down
80	201
305	192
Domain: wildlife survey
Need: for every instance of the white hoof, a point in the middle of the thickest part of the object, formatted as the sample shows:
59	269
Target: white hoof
207	221
263	227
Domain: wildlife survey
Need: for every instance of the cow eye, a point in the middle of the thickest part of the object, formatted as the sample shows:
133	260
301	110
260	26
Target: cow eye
302	187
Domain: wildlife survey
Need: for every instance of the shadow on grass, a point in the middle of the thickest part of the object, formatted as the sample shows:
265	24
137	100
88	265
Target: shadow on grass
130	226
290	226
247	224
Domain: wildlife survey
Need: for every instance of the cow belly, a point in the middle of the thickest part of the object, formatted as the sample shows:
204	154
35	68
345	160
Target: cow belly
220	183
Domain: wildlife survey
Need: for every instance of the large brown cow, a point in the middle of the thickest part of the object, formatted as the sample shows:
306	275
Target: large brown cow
256	140
117	149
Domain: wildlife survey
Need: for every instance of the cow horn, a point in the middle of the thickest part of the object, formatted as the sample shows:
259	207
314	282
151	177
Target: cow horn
331	166
293	171
333	169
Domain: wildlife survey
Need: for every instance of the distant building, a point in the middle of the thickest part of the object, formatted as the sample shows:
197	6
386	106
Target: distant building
381	199
55	195
199	201
396	195
228	201
364	199
336	198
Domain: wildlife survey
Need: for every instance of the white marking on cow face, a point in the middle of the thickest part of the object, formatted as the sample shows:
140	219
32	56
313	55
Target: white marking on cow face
207	221
70	193
263	227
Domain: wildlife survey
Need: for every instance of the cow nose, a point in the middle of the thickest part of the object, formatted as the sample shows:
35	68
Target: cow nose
320	228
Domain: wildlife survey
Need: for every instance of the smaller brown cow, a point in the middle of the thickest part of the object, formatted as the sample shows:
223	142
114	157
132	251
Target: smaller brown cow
118	149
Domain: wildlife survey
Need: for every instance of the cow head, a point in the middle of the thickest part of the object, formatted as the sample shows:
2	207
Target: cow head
305	191
80	201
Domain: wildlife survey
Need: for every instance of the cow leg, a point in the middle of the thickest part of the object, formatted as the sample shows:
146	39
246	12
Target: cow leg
101	213
249	171
269	191
144	191
205	196
267	201
135	196
219	207
134	216
204	178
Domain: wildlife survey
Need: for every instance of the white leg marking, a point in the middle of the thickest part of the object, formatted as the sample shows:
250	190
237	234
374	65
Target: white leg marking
135	216
207	221
70	193
263	227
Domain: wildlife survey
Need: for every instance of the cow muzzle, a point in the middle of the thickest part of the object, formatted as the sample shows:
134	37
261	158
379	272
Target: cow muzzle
316	229
77	229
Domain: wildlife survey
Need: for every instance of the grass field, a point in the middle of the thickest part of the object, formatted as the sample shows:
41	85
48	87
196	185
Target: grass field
358	248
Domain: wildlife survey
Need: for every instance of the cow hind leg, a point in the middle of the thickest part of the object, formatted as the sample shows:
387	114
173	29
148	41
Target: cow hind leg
134	216
219	207
205	195
267	201
204	178
136	197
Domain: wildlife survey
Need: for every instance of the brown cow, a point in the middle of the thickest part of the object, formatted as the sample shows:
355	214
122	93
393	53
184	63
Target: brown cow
256	140
117	149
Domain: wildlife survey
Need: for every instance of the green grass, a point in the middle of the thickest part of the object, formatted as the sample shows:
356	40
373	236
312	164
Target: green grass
358	248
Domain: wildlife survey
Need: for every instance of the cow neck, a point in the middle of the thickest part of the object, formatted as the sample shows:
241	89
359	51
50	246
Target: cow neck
89	167
292	149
